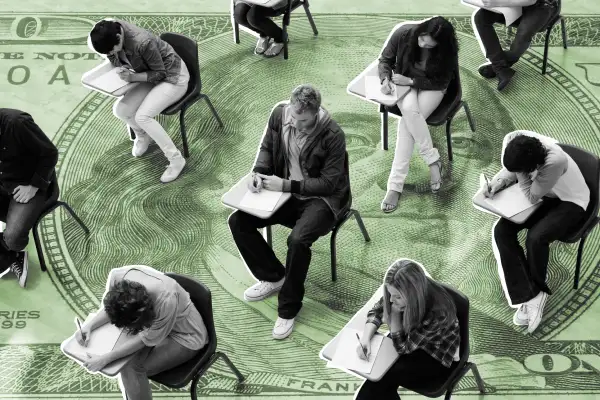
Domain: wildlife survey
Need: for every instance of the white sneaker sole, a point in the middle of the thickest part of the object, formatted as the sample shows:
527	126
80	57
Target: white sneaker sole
23	280
538	317
262	297
283	335
519	322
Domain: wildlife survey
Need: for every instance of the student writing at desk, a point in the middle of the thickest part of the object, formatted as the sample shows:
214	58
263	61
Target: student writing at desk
168	328
423	325
542	169
422	56
536	14
164	78
303	151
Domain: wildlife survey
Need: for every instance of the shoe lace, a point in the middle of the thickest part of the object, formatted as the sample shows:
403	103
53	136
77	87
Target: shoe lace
17	268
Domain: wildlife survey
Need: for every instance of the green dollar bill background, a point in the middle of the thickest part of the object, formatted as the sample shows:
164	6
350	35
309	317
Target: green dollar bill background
181	227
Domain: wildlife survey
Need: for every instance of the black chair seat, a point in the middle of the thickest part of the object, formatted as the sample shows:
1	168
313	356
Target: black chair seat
183	374
189	98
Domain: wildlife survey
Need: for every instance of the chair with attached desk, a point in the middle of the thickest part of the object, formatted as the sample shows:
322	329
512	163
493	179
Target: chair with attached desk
548	28
443	114
52	204
589	164
194	369
287	12
439	385
187	49
345	215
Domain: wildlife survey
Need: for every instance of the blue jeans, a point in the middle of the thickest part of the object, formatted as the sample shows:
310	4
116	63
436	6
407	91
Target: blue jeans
19	219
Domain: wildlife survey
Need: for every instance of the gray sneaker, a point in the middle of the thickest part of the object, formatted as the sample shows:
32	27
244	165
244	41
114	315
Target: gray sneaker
19	268
261	290
520	318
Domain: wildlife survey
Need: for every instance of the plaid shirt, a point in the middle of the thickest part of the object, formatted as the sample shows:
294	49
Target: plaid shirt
440	343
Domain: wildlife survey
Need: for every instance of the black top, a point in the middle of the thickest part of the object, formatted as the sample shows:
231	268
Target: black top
27	156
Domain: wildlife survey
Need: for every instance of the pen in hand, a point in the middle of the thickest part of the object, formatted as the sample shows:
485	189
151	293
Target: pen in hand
361	346
80	330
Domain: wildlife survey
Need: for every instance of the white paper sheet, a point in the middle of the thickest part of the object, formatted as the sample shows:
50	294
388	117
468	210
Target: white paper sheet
102	340
265	200
510	201
345	354
373	91
511	14
108	82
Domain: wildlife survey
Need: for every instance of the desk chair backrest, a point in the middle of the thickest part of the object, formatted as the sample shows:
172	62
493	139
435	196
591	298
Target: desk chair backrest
53	192
462	312
202	299
187	49
589	165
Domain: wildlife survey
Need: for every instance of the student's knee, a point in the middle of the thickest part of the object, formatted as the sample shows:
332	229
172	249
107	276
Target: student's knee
15	239
483	17
411	112
255	16
122	111
235	221
240	13
141	118
297	239
536	238
504	229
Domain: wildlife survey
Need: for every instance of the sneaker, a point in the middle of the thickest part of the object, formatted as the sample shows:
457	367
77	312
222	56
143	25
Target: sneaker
262	45
20	268
175	167
535	309
520	317
504	77
261	290
140	145
283	328
487	71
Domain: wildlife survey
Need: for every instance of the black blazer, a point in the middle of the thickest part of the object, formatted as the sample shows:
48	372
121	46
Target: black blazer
394	58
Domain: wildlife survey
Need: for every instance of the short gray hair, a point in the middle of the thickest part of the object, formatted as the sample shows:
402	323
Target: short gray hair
306	97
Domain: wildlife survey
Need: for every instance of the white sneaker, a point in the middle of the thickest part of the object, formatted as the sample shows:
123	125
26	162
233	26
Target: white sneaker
261	290
520	317
262	45
175	167
535	309
283	328
140	145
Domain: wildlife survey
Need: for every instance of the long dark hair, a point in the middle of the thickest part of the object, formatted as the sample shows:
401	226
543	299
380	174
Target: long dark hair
129	306
422	295
444	56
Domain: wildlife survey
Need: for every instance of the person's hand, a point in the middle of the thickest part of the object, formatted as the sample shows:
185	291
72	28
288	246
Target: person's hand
255	183
494	187
22	194
386	86
125	74
83	335
95	363
271	182
364	345
401	80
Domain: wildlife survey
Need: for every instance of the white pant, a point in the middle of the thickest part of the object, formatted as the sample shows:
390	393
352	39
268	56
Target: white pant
416	107
138	107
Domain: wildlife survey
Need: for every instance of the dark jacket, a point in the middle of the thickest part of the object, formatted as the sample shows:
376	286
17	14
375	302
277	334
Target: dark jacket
27	156
323	161
395	58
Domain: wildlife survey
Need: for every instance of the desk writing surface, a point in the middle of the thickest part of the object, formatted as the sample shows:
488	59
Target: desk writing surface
100	70
235	195
480	203
358	88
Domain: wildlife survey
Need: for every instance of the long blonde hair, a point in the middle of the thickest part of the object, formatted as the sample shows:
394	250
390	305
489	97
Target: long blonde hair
422	294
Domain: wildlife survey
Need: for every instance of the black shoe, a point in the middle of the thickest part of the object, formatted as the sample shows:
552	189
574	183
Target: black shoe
504	77
19	267
487	71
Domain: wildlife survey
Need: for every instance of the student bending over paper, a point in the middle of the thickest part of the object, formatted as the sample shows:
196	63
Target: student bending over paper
423	325
169	329
542	170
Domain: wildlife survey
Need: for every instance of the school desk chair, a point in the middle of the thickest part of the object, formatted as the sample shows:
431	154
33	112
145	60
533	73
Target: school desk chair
589	164
548	28
443	114
445	383
187	49
345	214
287	12
194	369
52	204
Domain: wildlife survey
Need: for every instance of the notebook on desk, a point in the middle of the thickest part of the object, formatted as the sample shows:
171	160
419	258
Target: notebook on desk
373	91
346	356
508	202
108	82
102	340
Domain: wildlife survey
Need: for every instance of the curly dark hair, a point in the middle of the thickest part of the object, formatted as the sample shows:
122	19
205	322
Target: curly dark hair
129	306
444	56
104	36
524	154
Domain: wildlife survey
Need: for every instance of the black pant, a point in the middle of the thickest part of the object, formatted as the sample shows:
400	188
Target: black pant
525	277
19	219
309	220
533	19
415	369
259	20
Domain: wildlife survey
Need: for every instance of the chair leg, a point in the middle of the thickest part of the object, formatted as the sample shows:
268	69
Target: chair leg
38	247
269	236
131	133
469	116
74	215
186	152
236	32
449	138
384	128
361	226
578	265
233	368
285	40
310	18
212	109
194	387
564	32
478	380
333	255
546	44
